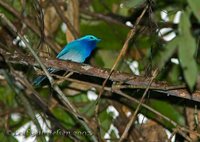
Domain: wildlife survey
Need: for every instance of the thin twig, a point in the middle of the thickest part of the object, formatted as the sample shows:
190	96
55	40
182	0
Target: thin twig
181	129
125	133
121	54
61	78
65	19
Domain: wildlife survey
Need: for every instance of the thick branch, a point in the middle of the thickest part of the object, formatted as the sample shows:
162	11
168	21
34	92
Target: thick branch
125	78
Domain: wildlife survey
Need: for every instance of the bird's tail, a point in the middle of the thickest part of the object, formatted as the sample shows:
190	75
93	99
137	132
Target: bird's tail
41	78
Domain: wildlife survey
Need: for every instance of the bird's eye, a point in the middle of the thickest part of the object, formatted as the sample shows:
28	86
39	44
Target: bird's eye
91	37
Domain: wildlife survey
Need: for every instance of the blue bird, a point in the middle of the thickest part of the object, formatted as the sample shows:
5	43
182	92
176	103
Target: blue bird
76	51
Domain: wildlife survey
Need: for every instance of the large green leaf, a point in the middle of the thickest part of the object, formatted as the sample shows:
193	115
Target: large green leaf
187	48
195	6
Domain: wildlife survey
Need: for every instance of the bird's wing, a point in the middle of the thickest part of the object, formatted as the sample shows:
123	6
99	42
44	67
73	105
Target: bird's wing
62	52
67	48
74	55
74	52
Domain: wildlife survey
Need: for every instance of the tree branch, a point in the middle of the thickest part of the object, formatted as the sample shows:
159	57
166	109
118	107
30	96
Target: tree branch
137	82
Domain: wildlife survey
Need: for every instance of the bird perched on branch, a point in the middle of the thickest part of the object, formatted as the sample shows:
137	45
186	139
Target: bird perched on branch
76	51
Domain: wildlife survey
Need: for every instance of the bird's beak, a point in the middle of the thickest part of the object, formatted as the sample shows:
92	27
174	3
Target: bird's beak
98	39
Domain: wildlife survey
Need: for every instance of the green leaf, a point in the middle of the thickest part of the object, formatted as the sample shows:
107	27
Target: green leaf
103	6
174	74
112	36
60	37
190	74
88	109
133	3
80	98
64	117
168	110
195	6
7	138
186	50
7	96
103	59
105	121
165	109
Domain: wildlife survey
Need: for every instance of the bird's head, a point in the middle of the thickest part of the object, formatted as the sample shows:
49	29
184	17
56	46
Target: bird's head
90	40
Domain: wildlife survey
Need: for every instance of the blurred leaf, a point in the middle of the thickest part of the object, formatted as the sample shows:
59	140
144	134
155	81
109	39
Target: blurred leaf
195	6
190	74
187	48
105	121
97	6
6	13
166	53
81	97
145	41
164	108
7	96
60	37
7	138
102	6
112	35
133	3
103	59
113	135
98	59
174	74
88	109
64	117
17	4
168	110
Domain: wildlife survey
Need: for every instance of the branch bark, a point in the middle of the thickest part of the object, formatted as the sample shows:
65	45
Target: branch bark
133	81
